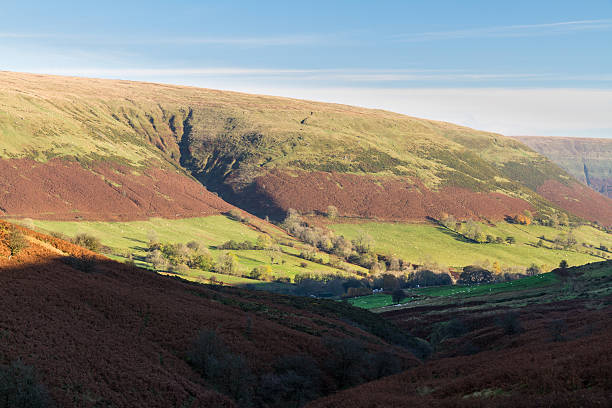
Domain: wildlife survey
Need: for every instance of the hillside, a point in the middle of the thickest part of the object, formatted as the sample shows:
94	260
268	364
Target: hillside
263	154
79	330
100	333
588	160
540	343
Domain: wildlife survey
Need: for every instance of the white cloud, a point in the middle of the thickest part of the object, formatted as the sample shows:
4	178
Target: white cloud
538	112
526	30
346	75
510	111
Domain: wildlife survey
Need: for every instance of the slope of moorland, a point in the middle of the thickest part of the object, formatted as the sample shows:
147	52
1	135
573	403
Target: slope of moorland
541	343
264	154
588	160
100	333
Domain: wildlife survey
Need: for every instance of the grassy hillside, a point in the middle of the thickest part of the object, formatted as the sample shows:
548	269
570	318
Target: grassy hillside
427	243
132	239
238	144
588	160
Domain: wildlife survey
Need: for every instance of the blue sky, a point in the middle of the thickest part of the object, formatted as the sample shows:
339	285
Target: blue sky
520	67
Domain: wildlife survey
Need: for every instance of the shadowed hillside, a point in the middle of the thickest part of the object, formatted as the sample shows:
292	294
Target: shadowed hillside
266	154
537	345
99	333
589	160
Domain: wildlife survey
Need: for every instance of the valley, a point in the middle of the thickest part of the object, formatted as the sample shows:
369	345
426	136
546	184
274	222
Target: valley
164	245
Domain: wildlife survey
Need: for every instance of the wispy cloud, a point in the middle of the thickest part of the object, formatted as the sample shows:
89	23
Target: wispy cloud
526	30
346	75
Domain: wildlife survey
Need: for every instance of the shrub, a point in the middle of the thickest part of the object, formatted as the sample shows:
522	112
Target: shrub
194	246
180	269
203	261
88	241
510	240
563	265
227	264
156	258
332	212
259	271
19	388
16	242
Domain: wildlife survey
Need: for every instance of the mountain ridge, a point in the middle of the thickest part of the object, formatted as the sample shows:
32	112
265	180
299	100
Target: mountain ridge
232	143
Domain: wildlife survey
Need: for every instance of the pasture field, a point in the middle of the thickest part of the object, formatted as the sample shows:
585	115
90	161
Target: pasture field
427	243
132	238
457	291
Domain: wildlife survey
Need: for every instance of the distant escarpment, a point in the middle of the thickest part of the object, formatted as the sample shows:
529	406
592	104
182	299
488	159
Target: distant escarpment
588	160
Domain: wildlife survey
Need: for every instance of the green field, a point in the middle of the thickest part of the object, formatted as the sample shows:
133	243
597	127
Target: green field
427	243
132	238
592	278
457	291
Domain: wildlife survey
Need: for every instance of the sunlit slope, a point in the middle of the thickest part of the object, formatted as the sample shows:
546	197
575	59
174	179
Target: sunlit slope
268	153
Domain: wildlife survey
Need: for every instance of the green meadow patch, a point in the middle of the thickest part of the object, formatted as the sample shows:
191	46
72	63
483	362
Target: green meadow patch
427	243
132	238
457	291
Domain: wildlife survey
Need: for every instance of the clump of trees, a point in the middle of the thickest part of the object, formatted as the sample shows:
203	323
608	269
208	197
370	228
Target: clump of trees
180	257
565	241
359	251
292	379
263	242
473	274
523	219
471	230
226	371
552	219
